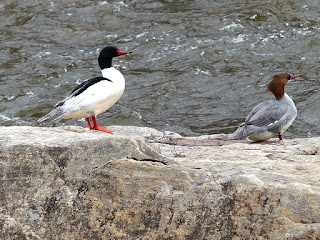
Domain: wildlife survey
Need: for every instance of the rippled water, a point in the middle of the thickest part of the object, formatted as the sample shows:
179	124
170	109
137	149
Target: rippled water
198	67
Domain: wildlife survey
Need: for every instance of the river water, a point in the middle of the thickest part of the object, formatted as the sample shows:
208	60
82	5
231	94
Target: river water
198	67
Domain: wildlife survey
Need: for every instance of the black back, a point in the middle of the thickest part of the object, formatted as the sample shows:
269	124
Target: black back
83	86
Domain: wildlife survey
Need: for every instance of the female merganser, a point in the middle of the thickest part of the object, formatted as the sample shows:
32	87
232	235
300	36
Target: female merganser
270	118
93	96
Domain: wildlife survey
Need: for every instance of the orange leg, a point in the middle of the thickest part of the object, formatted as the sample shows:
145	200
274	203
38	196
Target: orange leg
89	123
96	127
280	136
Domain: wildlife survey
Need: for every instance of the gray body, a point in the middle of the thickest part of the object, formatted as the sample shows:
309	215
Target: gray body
267	120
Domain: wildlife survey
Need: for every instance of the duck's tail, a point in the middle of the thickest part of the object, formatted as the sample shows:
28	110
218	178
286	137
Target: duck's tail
239	134
52	115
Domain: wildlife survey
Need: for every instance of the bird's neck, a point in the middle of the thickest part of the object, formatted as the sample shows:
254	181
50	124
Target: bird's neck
279	92
105	63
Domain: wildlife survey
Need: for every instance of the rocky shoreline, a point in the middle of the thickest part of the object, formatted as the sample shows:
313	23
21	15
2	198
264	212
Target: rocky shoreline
139	183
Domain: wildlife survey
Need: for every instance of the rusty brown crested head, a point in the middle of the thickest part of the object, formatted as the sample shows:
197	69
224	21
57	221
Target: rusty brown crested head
276	86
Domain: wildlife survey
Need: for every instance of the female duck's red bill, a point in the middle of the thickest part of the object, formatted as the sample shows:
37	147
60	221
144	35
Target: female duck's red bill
295	76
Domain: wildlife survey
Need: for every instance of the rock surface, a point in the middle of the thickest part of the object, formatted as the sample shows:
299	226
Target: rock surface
138	183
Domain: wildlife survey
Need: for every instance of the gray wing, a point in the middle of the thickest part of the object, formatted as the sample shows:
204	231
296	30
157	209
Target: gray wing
64	100
72	94
266	113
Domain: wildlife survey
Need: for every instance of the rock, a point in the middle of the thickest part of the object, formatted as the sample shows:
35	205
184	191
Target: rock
139	183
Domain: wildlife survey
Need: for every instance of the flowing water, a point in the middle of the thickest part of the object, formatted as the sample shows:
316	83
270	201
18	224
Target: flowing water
198	67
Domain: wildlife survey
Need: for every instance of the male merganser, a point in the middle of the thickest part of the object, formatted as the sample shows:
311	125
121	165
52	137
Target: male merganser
93	96
270	118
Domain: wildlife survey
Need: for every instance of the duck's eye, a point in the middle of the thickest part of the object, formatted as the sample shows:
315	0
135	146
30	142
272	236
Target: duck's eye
289	77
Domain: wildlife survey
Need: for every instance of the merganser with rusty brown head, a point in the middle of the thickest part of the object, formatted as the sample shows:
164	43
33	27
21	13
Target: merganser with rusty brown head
94	96
270	118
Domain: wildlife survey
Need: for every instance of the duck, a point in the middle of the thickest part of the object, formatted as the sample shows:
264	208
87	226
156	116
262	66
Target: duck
93	96
272	117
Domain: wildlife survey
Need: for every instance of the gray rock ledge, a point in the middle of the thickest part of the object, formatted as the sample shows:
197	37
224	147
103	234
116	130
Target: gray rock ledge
139	183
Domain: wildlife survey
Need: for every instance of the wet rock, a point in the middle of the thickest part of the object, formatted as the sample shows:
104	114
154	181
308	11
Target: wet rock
138	183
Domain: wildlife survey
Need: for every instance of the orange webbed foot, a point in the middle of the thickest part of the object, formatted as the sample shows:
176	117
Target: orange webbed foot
103	129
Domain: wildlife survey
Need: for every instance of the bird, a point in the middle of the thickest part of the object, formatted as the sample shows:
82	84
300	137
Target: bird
272	117
93	96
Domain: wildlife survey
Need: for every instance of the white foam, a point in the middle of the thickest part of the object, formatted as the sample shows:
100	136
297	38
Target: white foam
199	71
239	38
141	34
231	26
